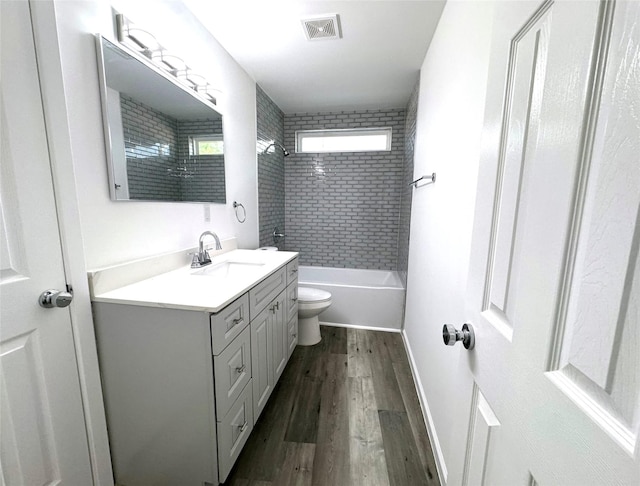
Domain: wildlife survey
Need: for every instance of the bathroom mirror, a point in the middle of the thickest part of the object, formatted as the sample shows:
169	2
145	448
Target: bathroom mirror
164	141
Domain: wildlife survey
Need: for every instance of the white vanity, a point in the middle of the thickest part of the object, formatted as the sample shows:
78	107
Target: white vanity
189	358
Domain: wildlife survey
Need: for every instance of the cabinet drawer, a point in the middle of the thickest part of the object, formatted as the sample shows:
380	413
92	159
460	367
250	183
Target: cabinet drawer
292	334
267	290
232	371
291	302
292	271
234	430
228	323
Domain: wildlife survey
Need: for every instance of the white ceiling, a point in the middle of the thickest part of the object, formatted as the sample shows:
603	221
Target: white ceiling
373	66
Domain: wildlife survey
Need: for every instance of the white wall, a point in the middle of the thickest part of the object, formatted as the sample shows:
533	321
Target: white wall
450	115
117	232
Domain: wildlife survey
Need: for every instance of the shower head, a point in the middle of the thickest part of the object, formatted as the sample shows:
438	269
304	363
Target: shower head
277	144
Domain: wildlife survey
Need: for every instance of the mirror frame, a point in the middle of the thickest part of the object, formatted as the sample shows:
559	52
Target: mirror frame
104	99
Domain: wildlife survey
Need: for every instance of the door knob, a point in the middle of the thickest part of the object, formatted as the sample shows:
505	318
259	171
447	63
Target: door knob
450	335
55	298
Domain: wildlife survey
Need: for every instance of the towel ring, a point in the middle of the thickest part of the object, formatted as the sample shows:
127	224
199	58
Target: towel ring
237	205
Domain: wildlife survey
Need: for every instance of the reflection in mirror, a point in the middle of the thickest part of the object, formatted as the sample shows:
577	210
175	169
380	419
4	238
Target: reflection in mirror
164	141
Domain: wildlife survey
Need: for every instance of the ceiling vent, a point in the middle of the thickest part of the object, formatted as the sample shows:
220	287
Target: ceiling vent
322	27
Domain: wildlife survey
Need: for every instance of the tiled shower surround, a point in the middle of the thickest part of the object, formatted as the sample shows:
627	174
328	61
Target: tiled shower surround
157	149
406	190
343	209
150	142
271	169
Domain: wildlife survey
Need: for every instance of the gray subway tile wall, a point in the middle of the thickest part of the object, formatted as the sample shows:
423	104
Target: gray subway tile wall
343	209
406	192
157	148
150	141
208	181
271	170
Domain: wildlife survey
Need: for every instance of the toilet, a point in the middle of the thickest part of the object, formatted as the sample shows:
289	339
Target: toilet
311	302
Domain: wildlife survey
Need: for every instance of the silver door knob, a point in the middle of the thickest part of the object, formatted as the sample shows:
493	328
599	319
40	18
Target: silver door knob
55	298
450	335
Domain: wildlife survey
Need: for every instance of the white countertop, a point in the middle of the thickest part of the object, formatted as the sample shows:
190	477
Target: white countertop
184	288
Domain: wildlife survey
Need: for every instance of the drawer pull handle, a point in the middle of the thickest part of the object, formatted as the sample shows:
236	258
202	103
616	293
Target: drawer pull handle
294	270
243	427
294	335
277	305
237	321
240	369
295	299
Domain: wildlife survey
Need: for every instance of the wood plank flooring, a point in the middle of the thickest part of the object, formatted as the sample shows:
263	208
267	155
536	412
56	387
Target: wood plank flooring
344	413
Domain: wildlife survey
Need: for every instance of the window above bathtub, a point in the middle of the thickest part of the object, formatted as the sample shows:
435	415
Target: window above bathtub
345	140
206	145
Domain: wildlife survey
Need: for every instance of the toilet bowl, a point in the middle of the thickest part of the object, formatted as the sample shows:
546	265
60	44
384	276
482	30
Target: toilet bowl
311	302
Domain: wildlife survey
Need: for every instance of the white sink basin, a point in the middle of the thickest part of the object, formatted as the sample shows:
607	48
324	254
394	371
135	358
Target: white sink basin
229	270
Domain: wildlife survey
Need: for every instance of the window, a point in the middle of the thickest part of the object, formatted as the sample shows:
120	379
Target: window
349	140
206	145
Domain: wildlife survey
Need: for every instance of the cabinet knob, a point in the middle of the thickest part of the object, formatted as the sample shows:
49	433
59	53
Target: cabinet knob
240	369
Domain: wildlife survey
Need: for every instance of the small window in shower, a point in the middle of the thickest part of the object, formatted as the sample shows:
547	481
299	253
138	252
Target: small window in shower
206	145
347	140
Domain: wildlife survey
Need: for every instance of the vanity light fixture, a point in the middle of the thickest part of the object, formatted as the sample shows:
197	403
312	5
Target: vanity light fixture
145	43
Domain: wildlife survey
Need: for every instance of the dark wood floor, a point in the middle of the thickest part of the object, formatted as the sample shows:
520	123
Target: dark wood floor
345	412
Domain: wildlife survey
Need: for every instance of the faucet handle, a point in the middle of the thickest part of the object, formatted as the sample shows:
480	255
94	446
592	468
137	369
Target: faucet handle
195	261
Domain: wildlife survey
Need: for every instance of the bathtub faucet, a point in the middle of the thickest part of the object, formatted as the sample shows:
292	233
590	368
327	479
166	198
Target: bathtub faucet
202	258
277	235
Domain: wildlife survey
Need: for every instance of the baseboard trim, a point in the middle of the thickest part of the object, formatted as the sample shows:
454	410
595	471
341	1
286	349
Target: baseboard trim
355	326
426	413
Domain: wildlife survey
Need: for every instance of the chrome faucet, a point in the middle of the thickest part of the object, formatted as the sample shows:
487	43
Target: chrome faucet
202	258
277	235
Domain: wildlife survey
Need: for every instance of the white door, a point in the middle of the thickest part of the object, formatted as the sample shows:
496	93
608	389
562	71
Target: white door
43	437
554	279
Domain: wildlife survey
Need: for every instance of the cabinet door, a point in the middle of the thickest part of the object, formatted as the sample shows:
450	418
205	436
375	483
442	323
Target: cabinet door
262	371
292	334
279	337
232	371
292	299
233	431
292	271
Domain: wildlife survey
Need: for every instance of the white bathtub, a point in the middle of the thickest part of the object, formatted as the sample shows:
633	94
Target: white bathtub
360	298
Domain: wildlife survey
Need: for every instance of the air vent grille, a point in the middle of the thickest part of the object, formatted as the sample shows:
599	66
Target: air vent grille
322	27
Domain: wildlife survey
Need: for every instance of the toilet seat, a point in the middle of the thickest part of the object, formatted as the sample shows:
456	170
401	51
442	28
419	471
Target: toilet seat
307	295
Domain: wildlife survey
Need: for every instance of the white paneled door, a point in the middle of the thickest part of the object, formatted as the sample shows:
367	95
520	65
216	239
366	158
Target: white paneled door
42	430
554	281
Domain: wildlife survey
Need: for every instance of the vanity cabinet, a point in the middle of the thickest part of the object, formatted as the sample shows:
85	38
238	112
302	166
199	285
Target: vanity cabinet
184	388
